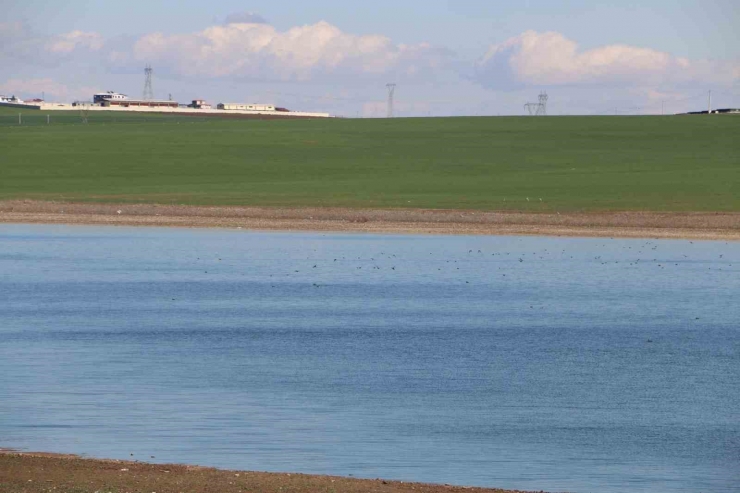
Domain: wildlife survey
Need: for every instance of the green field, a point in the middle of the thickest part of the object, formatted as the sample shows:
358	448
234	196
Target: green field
676	163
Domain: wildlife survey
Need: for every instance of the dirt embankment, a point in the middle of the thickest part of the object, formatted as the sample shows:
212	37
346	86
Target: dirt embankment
687	225
55	473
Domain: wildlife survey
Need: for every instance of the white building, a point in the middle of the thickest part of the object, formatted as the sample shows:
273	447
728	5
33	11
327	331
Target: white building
10	99
102	97
199	104
246	107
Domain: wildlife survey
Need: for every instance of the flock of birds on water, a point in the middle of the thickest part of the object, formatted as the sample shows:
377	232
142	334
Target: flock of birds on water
646	253
476	266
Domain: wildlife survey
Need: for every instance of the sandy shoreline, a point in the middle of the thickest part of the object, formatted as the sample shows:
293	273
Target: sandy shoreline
31	472
668	225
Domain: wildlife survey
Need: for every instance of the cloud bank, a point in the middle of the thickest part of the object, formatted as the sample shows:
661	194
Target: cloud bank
69	42
20	44
247	48
260	51
551	59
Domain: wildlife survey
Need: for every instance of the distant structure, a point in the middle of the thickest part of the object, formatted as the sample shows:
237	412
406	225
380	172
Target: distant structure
200	104
540	108
148	91
11	99
101	97
84	111
245	107
709	105
133	103
719	111
391	91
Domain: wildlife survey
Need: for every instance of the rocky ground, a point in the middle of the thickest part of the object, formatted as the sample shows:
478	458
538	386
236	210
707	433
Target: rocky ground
54	473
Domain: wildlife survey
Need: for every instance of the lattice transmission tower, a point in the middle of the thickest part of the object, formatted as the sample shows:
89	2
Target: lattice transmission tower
391	93
539	108
148	91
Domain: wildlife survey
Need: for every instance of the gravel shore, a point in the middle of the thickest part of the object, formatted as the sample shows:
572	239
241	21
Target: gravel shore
686	225
56	473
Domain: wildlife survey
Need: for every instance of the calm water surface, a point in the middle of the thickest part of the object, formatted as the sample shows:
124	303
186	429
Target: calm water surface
518	362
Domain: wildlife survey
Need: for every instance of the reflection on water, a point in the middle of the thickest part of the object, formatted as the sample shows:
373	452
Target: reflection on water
531	363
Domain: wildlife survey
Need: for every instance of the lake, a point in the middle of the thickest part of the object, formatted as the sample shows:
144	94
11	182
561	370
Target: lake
534	363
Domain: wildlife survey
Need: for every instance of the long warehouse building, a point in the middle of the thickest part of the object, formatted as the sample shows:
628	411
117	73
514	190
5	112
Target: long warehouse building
247	107
128	103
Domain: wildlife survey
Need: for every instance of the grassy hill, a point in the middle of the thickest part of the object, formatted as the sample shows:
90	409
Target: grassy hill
676	163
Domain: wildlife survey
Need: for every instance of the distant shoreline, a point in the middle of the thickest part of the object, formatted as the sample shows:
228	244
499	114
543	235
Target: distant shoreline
35	472
663	225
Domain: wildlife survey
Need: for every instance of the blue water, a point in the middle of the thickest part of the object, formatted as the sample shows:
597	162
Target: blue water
518	362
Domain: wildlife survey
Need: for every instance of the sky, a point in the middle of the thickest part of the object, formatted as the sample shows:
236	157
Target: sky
461	57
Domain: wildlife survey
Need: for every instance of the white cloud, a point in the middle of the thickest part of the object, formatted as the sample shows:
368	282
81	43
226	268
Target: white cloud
53	90
550	58
69	42
259	51
245	48
34	87
21	44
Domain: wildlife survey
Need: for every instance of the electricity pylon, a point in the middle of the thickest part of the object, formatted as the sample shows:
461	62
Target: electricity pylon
391	91
148	91
539	108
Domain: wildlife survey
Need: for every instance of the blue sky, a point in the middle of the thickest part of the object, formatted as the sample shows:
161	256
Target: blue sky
448	57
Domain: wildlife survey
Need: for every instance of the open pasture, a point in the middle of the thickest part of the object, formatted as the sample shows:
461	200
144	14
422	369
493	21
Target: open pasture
675	163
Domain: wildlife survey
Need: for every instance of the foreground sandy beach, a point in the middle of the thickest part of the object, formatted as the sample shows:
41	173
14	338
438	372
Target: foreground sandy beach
39	472
686	225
